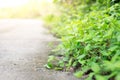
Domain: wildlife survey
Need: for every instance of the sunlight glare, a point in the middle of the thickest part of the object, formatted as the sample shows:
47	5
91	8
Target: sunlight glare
12	3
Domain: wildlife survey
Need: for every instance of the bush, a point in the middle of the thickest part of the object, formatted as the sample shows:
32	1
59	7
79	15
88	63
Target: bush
90	34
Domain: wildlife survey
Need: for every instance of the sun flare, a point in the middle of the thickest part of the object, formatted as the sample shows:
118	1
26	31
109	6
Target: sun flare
14	3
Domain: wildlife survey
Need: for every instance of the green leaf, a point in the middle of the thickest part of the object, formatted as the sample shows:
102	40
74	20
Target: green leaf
118	35
70	62
105	53
51	58
118	38
49	65
100	77
82	61
90	76
78	74
115	57
113	48
88	47
117	77
95	67
58	68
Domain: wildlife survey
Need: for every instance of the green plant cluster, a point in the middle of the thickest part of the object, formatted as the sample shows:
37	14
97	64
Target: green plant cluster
90	33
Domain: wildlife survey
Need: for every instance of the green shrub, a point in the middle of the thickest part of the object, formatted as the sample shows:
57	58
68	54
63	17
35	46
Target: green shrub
90	40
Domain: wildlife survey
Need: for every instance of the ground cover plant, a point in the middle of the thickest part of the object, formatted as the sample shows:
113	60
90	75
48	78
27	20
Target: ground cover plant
90	34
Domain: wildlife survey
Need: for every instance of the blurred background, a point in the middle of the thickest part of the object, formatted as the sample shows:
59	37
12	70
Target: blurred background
26	8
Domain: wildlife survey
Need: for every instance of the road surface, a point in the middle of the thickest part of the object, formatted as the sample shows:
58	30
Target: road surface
24	51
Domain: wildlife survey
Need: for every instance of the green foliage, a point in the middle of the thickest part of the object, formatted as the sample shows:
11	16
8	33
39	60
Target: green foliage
78	74
90	34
